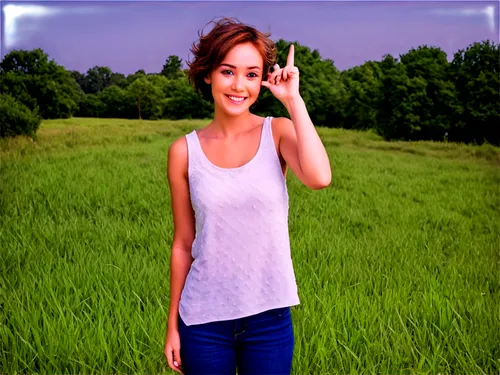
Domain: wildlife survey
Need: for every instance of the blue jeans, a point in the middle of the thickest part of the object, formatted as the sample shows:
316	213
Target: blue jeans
257	344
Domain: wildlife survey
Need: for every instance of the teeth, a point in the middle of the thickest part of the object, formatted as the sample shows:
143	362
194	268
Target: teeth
236	99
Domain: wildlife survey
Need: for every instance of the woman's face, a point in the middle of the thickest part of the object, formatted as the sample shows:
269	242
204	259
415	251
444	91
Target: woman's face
236	82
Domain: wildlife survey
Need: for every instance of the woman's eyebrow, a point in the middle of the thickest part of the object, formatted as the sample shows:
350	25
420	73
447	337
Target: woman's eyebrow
233	67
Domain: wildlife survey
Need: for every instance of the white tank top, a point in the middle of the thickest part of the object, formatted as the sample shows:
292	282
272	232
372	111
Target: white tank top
242	263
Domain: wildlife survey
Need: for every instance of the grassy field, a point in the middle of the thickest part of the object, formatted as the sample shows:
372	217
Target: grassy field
396	261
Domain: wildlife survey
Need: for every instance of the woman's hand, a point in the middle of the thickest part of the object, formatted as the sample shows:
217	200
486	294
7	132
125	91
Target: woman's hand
173	350
284	82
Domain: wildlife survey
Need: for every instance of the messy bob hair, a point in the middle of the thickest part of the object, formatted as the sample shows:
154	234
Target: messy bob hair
213	47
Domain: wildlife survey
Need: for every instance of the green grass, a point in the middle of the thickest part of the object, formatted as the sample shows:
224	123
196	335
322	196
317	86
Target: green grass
396	261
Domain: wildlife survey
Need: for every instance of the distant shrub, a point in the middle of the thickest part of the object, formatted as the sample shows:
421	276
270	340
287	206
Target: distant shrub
16	118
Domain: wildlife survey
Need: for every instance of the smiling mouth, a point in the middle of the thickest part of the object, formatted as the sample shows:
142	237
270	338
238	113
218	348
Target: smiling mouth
236	99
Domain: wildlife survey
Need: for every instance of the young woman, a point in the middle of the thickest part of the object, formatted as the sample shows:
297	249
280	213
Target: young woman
232	281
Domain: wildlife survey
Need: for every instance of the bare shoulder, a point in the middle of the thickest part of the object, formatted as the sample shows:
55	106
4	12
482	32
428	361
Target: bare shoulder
282	126
282	121
184	225
178	157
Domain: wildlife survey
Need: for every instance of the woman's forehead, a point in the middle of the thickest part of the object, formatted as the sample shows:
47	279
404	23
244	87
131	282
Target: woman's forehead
244	55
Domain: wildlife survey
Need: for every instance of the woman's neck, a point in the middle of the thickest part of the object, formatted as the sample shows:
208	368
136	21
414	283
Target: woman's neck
227	126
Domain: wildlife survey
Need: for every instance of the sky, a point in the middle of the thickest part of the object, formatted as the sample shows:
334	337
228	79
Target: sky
131	35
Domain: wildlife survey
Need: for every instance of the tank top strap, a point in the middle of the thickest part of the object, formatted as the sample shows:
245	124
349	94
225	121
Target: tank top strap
268	142
194	148
267	135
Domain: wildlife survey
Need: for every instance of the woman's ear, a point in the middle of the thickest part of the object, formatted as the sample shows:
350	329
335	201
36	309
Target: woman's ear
207	80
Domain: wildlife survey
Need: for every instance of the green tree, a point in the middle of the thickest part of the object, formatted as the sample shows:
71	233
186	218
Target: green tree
172	68
118	79
35	81
78	77
91	106
362	85
149	98
16	118
475	72
399	96
117	103
437	103
132	77
184	102
97	79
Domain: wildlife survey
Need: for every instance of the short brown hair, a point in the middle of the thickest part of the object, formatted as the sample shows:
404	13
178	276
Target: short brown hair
213	48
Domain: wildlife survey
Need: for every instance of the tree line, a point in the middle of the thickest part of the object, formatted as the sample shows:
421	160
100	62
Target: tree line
418	96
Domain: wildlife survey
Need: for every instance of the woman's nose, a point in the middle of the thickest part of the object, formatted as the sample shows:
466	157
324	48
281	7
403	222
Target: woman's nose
237	83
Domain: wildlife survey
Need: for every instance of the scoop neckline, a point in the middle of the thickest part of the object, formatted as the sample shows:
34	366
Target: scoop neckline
207	160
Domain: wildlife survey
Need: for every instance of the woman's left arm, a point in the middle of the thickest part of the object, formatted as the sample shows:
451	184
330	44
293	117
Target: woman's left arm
300	144
302	148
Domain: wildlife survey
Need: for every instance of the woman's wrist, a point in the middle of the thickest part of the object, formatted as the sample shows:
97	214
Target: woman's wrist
173	321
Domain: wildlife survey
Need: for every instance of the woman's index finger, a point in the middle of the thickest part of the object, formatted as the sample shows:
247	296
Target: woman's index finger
290	58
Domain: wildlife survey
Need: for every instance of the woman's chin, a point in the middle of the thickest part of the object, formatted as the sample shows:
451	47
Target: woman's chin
232	110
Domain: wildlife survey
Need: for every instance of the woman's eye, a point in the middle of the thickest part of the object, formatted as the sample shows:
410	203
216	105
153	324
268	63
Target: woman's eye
251	75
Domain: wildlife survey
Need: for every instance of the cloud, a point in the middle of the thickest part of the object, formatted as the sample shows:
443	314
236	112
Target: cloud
14	33
37	10
489	13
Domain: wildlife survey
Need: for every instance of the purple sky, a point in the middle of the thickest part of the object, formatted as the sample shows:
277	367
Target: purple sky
133	35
